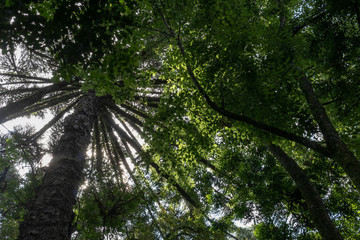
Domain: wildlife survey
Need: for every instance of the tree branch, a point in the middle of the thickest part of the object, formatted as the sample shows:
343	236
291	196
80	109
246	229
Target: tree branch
36	135
316	207
336	147
241	118
47	80
18	106
308	21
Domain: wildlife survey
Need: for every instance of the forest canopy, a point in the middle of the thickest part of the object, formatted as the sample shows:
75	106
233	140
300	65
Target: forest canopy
188	119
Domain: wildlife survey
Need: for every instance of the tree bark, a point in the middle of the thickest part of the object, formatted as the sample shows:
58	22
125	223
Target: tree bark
318	212
336	147
50	214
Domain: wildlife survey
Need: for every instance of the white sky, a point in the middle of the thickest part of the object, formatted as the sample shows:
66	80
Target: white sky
37	122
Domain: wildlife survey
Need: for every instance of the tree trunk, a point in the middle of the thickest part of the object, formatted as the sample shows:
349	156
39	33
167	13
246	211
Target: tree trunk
50	214
318	212
337	148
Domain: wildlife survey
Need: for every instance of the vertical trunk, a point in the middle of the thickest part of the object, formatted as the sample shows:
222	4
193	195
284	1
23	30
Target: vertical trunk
316	207
337	148
50	214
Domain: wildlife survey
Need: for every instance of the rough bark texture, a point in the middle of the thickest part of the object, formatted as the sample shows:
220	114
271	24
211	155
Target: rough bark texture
50	214
318	212
337	148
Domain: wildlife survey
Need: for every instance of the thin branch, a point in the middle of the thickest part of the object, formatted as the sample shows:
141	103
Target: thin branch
123	134
53	100
208	164
18	106
27	82
111	152
122	113
138	130
42	106
16	91
136	145
153	29
53	121
134	110
308	21
119	151
47	80
98	152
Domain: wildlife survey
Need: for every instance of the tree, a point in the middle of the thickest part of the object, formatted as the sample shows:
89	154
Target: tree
231	102
50	213
242	66
69	151
339	152
17	189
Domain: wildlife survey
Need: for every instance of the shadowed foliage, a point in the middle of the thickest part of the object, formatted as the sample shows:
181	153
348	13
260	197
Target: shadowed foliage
177	119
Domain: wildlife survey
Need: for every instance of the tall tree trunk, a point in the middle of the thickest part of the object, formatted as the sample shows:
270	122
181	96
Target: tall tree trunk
50	214
318	212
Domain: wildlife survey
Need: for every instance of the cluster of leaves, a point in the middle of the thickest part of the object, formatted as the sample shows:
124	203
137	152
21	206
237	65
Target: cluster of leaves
20	175
245	56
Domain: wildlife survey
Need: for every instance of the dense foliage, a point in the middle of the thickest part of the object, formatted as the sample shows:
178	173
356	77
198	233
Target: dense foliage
207	113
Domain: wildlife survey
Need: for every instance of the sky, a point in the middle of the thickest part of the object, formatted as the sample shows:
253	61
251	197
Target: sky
37	122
